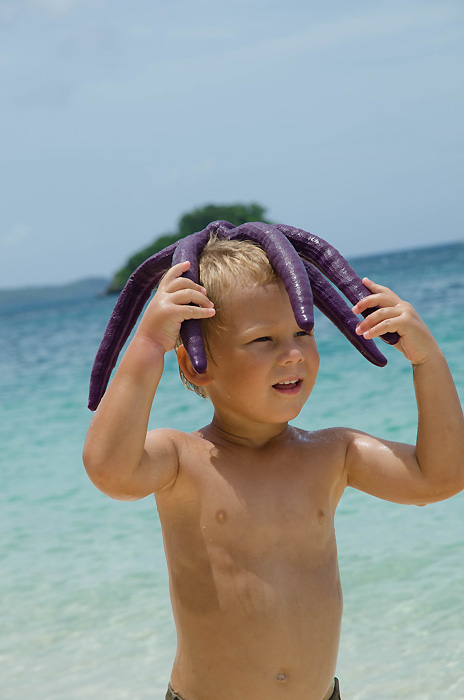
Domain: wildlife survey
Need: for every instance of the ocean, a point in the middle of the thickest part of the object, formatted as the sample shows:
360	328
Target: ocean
84	603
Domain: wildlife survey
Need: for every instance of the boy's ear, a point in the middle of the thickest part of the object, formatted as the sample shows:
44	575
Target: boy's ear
187	368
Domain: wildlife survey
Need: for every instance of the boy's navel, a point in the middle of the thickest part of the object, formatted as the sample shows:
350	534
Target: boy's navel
281	677
221	517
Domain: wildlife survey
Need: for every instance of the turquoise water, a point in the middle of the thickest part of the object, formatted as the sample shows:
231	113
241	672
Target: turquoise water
84	606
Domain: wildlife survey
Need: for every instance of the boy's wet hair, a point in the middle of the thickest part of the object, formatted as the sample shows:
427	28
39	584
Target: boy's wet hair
225	265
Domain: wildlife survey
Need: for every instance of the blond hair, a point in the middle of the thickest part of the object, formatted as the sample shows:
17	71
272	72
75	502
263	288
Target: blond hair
224	265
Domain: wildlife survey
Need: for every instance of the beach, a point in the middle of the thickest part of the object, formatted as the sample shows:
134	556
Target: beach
84	596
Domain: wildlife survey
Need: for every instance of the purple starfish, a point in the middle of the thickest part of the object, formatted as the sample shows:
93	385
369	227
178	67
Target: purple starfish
298	258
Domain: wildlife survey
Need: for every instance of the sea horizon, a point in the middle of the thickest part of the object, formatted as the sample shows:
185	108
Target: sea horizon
98	281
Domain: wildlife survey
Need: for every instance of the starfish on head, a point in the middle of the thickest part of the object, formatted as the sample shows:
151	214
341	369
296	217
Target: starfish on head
301	260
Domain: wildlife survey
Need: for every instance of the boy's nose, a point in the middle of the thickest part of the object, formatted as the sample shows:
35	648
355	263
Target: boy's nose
290	355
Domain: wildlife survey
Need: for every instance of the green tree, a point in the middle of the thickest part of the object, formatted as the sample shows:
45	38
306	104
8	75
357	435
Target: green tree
237	214
192	221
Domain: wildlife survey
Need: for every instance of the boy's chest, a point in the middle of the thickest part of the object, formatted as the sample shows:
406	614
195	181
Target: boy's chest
262	506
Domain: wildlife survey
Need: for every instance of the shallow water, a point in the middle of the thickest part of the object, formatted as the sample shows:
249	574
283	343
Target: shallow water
84	601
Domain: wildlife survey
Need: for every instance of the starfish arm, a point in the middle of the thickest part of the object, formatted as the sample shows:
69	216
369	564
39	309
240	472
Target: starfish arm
287	264
337	310
332	263
124	317
190	248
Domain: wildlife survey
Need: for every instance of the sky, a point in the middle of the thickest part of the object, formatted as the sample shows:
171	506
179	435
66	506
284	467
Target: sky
342	118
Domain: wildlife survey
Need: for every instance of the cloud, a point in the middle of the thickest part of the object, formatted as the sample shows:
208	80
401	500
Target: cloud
10	10
15	236
177	66
6	10
346	30
57	7
5	59
203	32
44	94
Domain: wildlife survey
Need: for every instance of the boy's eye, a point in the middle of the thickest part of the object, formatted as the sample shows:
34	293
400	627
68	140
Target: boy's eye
263	339
301	333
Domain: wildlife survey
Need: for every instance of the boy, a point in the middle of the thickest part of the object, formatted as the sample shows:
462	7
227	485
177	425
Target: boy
247	503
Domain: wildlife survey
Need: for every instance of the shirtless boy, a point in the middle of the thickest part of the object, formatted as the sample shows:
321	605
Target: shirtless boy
247	503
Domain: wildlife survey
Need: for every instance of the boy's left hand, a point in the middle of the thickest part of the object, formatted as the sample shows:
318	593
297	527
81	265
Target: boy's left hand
395	315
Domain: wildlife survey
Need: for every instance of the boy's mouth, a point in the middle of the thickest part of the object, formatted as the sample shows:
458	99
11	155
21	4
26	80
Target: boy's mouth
291	386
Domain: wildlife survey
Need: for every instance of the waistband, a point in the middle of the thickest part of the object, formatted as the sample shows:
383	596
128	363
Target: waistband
171	695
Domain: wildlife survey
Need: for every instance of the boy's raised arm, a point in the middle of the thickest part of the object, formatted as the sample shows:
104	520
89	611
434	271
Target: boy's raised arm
434	469
119	457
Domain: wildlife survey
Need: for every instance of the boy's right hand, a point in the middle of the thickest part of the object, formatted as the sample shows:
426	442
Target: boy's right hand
171	305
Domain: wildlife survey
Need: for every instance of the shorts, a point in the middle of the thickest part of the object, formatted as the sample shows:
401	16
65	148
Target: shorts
171	695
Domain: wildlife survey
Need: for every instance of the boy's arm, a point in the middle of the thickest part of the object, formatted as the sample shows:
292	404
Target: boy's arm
434	469
119	456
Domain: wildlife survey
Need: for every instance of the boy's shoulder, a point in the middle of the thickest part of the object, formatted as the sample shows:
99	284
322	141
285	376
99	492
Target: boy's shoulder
328	443
160	436
335	433
174	443
332	439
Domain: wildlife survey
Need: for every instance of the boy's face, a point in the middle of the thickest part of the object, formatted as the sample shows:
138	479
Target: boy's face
262	366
